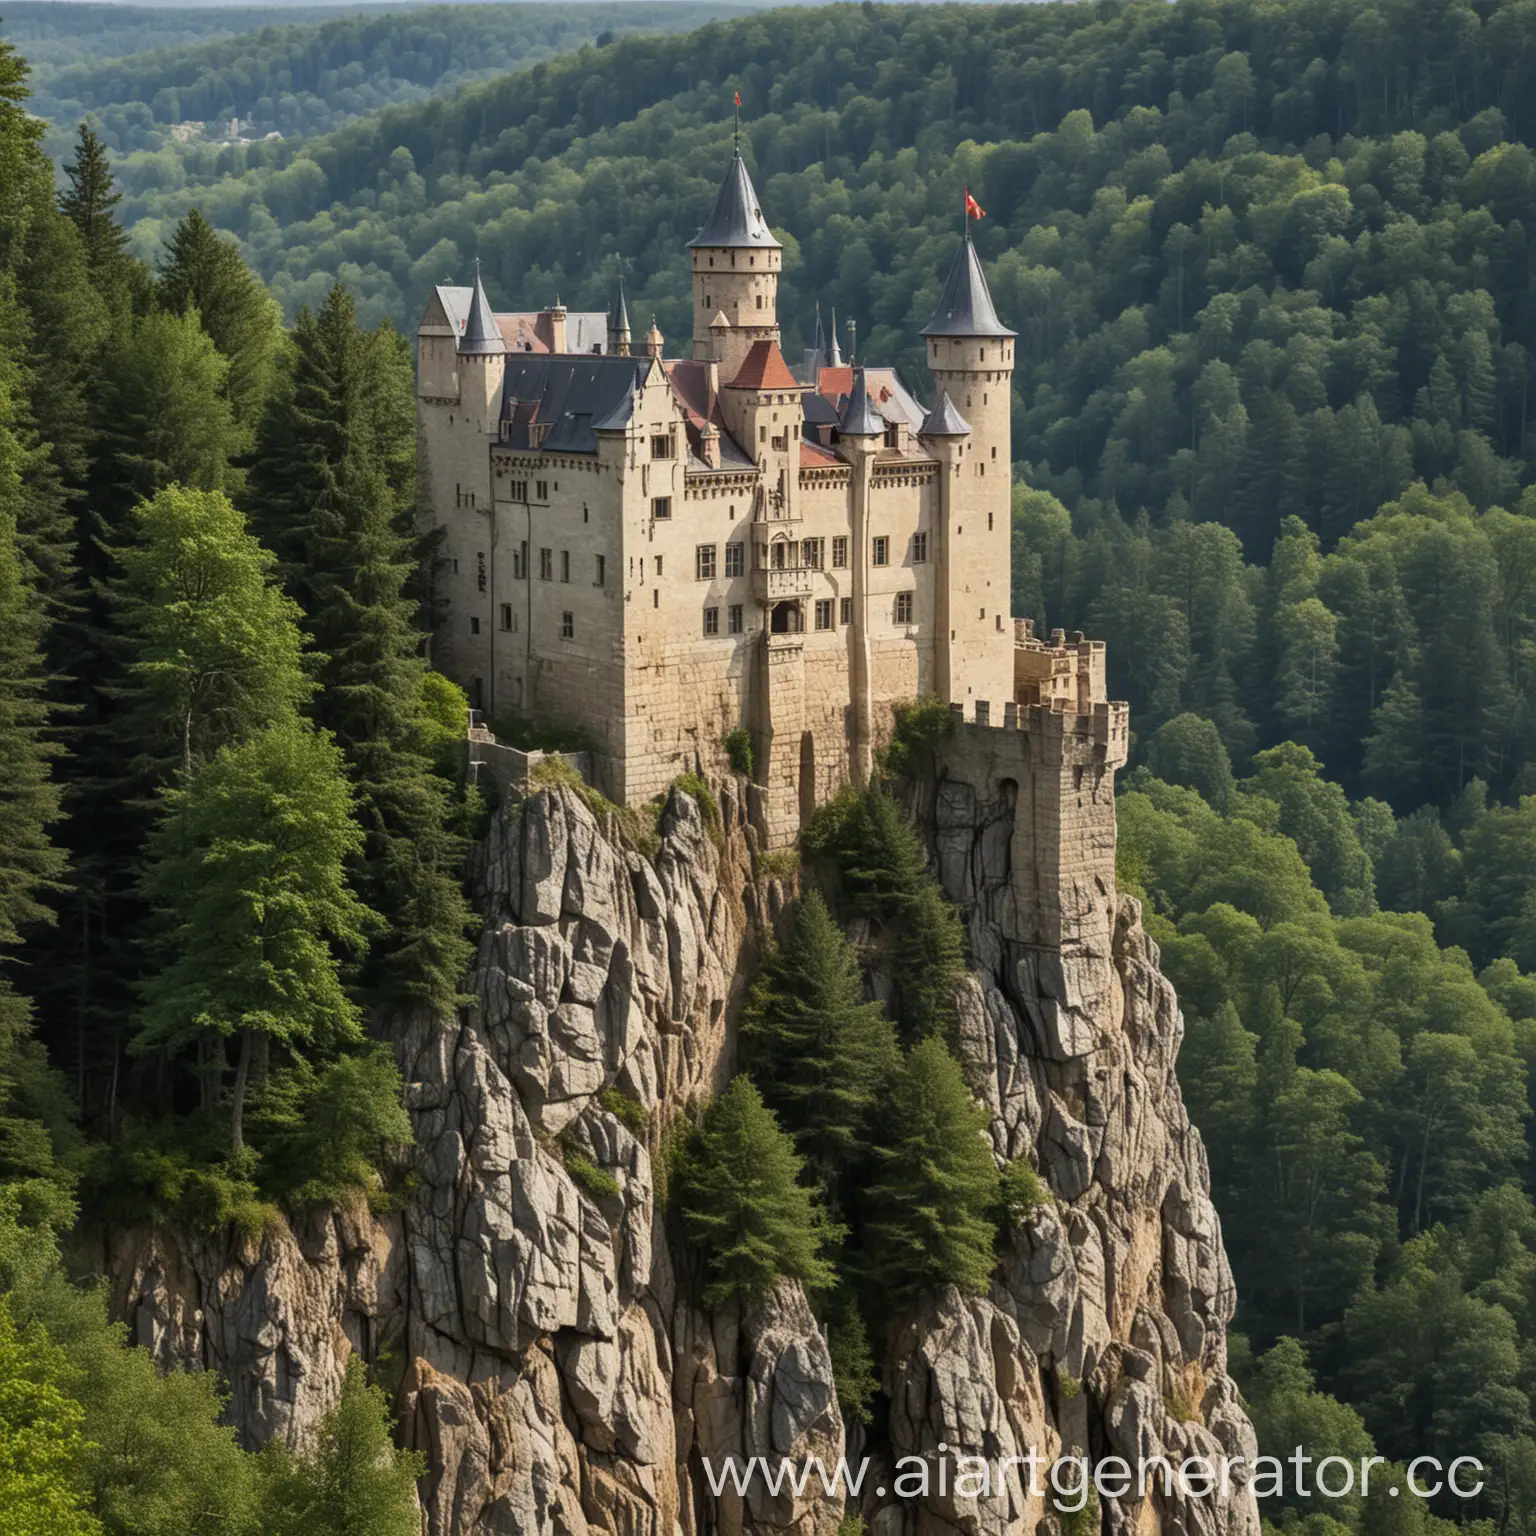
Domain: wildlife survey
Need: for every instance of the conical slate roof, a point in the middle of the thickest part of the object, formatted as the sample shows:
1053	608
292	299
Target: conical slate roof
736	219
860	418
944	420
482	336
965	308
835	356
619	321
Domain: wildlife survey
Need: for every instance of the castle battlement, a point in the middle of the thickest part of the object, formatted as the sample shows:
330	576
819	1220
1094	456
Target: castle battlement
661	549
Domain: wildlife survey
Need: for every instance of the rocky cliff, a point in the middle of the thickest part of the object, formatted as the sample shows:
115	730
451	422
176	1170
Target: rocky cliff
541	1321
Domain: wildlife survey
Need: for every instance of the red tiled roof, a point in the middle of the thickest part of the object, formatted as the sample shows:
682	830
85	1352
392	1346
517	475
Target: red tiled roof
835	383
764	368
814	456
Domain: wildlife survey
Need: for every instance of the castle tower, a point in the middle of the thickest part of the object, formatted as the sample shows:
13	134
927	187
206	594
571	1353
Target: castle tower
860	432
482	361
618	324
970	354
736	263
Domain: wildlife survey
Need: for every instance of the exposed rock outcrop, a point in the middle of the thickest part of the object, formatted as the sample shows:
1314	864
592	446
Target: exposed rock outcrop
553	1359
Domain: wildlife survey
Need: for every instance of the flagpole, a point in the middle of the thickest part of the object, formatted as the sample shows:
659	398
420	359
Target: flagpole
738	122
966	206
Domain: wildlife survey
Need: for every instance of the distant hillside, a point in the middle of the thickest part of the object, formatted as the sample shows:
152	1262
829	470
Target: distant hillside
53	35
298	80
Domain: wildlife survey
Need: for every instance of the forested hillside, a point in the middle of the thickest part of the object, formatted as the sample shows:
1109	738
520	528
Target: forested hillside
299	80
1269	267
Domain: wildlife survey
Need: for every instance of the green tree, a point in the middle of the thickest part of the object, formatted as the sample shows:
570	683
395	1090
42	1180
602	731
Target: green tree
334	495
356	1483
742	1202
1189	750
164	416
818	1052
90	204
42	1444
247	867
212	647
935	1189
204	273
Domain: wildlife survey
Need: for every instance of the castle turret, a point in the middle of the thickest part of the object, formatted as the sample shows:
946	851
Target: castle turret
736	264
835	356
654	340
482	361
618	324
970	354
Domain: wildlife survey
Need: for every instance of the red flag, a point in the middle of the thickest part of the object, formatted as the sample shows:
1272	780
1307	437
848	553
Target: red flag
973	209
738	98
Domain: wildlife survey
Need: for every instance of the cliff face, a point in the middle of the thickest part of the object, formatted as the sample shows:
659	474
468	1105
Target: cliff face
552	1357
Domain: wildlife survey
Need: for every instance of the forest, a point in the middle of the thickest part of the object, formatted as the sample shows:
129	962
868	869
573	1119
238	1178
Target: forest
1269	267
298	80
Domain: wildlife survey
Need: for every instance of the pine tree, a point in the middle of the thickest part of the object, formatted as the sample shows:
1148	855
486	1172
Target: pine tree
89	204
819	1053
933	1199
247	866
211	648
205	273
356	1483
332	493
743	1203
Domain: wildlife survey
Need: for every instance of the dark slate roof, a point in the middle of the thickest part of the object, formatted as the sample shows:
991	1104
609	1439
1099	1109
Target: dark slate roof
965	308
575	395
944	420
481	336
736	219
860	418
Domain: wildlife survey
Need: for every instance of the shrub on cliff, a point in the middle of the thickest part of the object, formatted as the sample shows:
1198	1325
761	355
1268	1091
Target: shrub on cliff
818	1051
743	1203
932	1202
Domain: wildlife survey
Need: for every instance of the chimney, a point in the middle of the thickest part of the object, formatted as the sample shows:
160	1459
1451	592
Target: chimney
554	325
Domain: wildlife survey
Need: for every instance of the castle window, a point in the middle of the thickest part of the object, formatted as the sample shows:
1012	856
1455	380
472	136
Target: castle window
919	548
506	616
541	490
658	567
903	607
480	570
882	551
759	301
565	565
546	565
704	563
845	611
812	553
518	490
602	571
567	626
520	562
474	626
823	613
661	447
733	618
735	558
994	453
711	621
661	508
840	552
989	522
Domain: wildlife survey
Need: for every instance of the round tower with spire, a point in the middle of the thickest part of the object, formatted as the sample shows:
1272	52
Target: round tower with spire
482	361
970	354
618	324
736	263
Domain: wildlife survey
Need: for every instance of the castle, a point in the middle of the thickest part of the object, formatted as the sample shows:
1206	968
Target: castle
661	550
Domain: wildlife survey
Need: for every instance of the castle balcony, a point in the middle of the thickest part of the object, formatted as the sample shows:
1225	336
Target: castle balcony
785	584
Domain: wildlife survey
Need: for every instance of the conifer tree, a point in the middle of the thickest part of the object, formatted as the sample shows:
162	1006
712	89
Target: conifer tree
935	1191
211	647
356	1483
30	865
743	1202
247	866
819	1053
332	493
88	205
206	273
